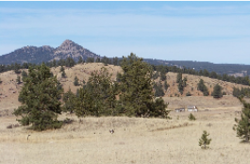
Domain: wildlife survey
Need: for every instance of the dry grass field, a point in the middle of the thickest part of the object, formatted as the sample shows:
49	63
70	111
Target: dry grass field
136	140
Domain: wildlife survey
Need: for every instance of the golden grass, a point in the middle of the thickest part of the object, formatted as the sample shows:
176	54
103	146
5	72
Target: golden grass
136	140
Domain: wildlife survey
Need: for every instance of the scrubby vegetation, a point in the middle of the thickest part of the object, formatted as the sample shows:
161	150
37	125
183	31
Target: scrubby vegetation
132	96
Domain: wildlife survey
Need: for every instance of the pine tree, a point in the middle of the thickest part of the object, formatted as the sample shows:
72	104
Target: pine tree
98	96
54	63
158	90
166	85
242	126
40	100
191	117
18	80
202	87
184	83
102	92
217	92
204	141
24	75
80	60
179	78
61	69
76	81
137	97
69	99
180	86
63	74
84	103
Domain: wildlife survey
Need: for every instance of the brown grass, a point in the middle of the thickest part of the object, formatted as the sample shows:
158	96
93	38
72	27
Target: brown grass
136	140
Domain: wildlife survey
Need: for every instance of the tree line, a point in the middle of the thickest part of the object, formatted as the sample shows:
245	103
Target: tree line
161	69
132	95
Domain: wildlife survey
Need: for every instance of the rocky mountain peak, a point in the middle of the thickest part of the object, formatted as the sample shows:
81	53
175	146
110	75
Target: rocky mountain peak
69	45
46	53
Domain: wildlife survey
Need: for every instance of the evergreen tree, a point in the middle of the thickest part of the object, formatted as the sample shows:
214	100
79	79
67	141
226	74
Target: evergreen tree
204	141
217	92
63	74
40	100
90	60
102	92
115	61
158	109
179	78
242	125
84	103
80	60
17	68
24	75
76	81
54	63
191	117
202	87
70	62
155	75
166	85
61	69
158	90
180	86
69	99
18	80
98	60
105	60
137	97
184	83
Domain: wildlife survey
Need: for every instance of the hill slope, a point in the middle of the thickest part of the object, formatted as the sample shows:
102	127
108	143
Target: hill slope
9	90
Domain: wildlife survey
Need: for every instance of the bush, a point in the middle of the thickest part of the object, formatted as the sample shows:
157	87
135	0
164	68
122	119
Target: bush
191	117
188	94
217	93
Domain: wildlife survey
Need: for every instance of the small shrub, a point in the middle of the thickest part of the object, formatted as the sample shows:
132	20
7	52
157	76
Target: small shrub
11	126
188	94
68	121
204	141
64	74
191	117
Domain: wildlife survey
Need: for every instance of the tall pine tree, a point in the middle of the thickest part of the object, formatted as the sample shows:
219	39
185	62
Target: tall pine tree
242	125
137	97
40	100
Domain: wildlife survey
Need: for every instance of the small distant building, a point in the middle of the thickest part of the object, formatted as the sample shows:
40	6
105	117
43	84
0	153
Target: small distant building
192	108
180	110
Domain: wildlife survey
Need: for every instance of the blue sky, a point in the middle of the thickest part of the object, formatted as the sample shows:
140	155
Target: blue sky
217	32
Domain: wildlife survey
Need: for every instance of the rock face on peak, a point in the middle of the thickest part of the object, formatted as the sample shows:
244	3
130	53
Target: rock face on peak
70	48
32	54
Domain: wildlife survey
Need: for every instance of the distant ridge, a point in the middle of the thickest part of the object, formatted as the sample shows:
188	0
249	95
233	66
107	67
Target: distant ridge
37	55
32	54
